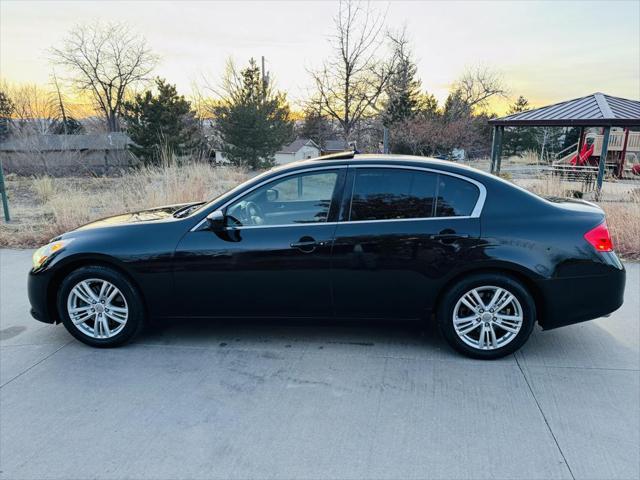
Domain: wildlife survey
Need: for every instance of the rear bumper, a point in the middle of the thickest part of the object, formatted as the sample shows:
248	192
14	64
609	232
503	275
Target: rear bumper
577	299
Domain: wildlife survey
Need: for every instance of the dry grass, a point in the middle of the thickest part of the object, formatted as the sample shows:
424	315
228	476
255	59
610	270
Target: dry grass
44	187
623	217
623	220
44	207
529	157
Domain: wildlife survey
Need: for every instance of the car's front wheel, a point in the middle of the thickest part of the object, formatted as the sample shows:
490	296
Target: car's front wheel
487	315
100	307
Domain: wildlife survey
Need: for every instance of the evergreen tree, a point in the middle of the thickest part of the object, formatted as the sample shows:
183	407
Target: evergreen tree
161	122
456	108
403	89
6	109
428	105
66	126
520	105
519	139
253	120
317	127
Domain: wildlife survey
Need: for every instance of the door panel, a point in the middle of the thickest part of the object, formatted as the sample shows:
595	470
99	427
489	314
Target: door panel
401	232
392	268
255	272
273	256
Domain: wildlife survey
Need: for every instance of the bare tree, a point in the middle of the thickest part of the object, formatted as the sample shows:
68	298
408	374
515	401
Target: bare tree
105	60
477	85
350	84
34	108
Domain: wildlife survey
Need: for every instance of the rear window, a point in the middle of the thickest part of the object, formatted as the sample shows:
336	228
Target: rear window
456	197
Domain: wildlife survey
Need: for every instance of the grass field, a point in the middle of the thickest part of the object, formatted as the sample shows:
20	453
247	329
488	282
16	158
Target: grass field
43	207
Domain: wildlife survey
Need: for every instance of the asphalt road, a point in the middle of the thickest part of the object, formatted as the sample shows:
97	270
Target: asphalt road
276	400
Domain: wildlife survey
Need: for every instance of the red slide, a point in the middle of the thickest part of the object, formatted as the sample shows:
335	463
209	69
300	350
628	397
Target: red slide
585	153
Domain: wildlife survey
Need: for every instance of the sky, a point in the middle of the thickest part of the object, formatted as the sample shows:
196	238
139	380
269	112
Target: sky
548	51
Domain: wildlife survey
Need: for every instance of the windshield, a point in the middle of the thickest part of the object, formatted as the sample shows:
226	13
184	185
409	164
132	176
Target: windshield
199	207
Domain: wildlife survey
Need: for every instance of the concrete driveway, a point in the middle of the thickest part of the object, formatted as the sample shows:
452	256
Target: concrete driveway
275	400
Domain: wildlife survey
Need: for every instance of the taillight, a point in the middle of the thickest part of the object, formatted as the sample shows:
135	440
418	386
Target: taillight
600	238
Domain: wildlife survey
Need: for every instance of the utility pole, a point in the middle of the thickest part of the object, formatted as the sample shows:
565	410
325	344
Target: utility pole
64	115
265	80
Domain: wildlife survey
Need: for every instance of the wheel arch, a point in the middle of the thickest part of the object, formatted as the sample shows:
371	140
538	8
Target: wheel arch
78	262
516	273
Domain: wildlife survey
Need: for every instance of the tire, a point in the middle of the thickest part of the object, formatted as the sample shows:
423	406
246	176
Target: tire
511	321
117	325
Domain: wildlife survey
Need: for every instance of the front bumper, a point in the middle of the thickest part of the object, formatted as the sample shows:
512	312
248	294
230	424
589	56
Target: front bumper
572	300
42	304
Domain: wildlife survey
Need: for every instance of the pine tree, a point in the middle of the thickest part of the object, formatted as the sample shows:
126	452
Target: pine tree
253	120
428	105
404	98
520	105
317	127
519	139
6	109
456	108
66	126
161	122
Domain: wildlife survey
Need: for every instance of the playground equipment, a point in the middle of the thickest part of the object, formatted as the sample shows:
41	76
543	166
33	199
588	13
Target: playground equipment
584	155
623	152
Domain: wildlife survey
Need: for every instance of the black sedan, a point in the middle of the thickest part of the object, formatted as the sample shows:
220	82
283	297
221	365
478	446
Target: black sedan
344	236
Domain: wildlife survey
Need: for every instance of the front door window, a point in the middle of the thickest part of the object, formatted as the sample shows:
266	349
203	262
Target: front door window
298	199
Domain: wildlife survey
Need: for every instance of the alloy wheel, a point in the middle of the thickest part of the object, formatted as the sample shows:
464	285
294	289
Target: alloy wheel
97	308
487	317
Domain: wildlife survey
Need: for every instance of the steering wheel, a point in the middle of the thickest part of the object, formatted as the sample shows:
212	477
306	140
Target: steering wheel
253	213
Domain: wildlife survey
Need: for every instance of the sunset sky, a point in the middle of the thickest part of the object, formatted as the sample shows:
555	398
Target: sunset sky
546	51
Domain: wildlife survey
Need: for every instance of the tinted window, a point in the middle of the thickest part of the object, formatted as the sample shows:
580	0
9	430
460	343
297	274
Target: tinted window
456	197
304	198
384	194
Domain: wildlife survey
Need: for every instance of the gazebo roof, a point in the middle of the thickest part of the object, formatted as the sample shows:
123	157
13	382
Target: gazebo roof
596	110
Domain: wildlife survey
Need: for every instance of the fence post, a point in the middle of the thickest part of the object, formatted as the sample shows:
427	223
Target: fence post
603	159
493	149
3	193
499	136
385	140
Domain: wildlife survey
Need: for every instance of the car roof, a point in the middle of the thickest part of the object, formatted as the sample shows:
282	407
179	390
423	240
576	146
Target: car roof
352	158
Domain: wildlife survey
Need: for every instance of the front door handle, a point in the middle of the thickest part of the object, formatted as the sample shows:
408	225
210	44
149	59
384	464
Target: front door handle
307	244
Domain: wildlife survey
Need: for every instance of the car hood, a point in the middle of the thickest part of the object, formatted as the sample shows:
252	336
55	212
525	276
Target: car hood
150	215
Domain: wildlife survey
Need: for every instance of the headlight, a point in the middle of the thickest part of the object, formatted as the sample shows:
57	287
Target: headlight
41	255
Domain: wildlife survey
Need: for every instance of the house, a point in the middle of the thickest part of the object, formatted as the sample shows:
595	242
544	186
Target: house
299	149
334	146
62	154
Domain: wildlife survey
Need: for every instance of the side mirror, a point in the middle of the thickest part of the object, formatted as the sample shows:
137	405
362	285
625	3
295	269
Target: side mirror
216	220
272	195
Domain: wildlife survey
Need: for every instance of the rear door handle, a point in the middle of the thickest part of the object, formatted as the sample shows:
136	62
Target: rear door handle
449	236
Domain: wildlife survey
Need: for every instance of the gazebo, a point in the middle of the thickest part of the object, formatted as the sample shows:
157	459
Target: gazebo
596	110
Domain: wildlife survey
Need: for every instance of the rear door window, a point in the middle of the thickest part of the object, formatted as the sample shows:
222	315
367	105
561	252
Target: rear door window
388	194
456	197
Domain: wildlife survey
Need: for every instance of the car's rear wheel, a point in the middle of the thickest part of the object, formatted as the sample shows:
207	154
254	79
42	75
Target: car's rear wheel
487	315
100	307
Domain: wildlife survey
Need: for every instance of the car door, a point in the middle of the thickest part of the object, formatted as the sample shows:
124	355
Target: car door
401	231
272	258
